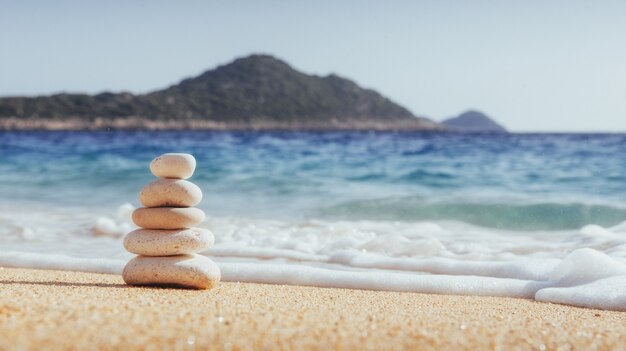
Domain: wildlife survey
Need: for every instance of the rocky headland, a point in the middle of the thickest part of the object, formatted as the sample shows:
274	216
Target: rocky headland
257	92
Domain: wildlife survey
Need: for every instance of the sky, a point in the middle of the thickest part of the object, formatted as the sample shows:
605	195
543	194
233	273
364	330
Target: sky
531	65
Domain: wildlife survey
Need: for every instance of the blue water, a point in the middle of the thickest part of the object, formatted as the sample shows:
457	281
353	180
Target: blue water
508	181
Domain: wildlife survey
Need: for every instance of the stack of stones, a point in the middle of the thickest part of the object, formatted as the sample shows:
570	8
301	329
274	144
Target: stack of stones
167	243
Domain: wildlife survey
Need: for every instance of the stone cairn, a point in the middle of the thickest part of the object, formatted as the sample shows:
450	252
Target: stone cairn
167	243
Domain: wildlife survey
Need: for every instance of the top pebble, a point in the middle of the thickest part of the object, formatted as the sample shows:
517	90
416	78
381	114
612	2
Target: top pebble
175	166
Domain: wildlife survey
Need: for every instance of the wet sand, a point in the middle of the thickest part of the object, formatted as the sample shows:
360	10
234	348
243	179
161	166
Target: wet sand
68	310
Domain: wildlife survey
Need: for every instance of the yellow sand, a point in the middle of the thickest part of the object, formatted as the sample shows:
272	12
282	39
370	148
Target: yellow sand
46	310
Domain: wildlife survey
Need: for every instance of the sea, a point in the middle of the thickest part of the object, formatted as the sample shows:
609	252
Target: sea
536	216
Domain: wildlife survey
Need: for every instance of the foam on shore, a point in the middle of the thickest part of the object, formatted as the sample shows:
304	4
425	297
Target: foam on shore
585	267
605	289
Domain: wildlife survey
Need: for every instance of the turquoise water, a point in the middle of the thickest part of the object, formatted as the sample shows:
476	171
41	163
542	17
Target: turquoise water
505	181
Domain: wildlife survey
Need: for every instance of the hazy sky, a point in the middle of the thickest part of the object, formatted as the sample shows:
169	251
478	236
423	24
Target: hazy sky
532	65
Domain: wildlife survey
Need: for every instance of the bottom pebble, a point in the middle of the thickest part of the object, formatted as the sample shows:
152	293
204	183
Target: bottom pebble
183	271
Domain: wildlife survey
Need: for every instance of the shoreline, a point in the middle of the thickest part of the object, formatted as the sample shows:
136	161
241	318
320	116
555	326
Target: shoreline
144	124
204	126
98	311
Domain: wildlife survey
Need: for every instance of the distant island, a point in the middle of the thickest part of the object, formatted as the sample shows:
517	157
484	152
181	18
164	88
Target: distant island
258	92
473	121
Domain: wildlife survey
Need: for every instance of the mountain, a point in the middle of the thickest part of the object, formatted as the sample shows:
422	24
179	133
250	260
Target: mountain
473	121
254	92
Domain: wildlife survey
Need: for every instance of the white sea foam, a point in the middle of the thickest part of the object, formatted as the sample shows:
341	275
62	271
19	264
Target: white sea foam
585	267
118	226
606	293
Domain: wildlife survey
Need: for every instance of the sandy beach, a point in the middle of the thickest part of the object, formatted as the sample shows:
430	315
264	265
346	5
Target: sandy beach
70	310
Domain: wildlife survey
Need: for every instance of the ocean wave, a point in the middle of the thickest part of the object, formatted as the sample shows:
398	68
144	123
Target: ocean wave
491	214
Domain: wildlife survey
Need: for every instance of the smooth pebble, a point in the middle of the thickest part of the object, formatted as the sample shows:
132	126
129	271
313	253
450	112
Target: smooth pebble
173	165
155	242
170	192
167	217
189	271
